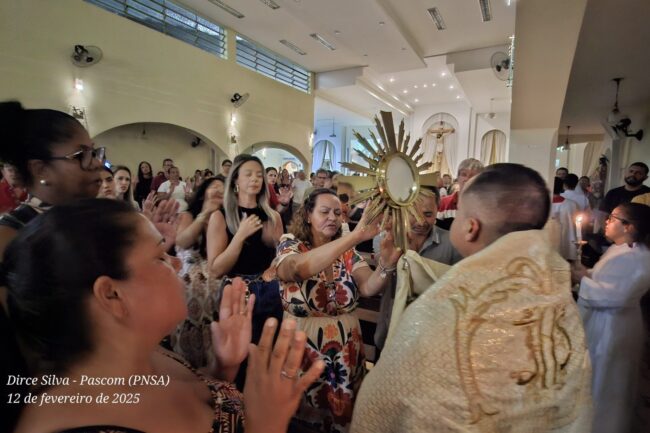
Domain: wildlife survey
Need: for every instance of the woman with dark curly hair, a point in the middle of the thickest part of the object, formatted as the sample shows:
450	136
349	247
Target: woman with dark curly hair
321	277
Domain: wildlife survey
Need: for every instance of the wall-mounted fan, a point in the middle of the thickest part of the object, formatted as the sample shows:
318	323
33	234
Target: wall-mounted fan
500	63
239	100
86	55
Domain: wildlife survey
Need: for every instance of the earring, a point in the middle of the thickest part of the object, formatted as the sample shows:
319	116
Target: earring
43	182
236	188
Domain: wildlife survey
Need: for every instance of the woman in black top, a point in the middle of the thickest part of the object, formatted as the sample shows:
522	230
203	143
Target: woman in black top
242	237
143	185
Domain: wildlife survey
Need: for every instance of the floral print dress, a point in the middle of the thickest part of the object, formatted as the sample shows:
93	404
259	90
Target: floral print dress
323	310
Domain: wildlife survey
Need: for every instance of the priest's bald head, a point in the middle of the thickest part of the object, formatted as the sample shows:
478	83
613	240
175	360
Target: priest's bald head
504	198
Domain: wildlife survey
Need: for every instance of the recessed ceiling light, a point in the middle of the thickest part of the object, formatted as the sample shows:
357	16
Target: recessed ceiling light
436	16
425	86
416	100
391	79
231	10
270	3
337	32
405	91
323	42
457	96
415	87
433	84
365	55
293	47
486	10
443	74
381	23
451	86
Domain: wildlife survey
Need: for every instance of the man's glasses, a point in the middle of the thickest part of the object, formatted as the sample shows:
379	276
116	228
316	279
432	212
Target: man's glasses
623	221
85	157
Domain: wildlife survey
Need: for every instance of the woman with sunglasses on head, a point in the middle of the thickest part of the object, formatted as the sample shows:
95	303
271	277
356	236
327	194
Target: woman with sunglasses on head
58	164
191	339
321	277
80	280
609	301
242	237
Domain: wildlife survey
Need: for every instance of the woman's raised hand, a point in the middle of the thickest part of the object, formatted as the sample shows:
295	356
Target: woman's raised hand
249	225
274	384
367	229
231	335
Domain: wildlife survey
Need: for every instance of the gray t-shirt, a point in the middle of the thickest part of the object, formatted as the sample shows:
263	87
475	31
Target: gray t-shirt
436	247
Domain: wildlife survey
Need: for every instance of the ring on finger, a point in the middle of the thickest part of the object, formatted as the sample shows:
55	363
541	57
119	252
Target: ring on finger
284	374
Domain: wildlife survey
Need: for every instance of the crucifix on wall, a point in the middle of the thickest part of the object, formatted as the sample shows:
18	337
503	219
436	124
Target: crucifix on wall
440	132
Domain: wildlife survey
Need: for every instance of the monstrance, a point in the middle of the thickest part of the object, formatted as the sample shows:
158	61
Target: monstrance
392	178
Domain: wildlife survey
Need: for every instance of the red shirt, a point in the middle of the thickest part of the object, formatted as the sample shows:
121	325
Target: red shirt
10	197
448	206
157	181
274	200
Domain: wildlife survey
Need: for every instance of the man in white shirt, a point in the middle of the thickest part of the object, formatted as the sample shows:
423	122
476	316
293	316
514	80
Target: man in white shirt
300	185
571	192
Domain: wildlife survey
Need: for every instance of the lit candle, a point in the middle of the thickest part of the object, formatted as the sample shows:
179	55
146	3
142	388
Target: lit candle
579	228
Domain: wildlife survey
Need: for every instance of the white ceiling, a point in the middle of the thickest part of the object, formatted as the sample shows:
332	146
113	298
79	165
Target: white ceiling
613	42
390	39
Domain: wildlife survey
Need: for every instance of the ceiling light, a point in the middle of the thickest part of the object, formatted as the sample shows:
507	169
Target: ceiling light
433	84
443	74
424	85
451	87
291	46
337	32
437	18
415	87
405	91
231	10
322	40
270	3
79	84
391	79
486	10
457	96
416	100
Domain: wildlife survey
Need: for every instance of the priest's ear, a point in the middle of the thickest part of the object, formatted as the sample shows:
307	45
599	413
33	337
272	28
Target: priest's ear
471	229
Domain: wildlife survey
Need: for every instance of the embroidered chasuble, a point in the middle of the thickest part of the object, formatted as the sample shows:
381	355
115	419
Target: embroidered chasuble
496	344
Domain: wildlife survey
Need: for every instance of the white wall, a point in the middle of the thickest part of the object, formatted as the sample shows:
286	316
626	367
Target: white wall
126	145
145	76
276	157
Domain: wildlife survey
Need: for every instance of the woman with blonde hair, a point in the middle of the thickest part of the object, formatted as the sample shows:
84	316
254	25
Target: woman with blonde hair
242	236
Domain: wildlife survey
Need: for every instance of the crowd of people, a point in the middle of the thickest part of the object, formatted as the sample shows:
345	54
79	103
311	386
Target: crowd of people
241	289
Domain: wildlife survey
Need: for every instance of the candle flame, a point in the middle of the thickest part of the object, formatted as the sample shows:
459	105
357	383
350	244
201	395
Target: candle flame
579	219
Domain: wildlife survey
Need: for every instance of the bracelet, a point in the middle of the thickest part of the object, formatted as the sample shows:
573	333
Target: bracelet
383	270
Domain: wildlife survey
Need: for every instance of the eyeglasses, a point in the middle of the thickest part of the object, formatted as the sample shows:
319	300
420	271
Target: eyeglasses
623	221
85	157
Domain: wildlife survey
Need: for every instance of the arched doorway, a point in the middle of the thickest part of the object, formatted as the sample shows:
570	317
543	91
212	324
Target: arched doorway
152	142
266	151
324	155
493	147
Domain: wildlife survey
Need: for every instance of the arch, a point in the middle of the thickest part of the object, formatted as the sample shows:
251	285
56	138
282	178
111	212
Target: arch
276	145
133	142
493	147
442	150
324	155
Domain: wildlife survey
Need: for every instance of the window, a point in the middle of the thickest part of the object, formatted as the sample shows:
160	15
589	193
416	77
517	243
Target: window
273	66
171	19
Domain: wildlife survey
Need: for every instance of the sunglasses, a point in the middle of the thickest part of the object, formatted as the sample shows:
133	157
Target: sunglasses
85	157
